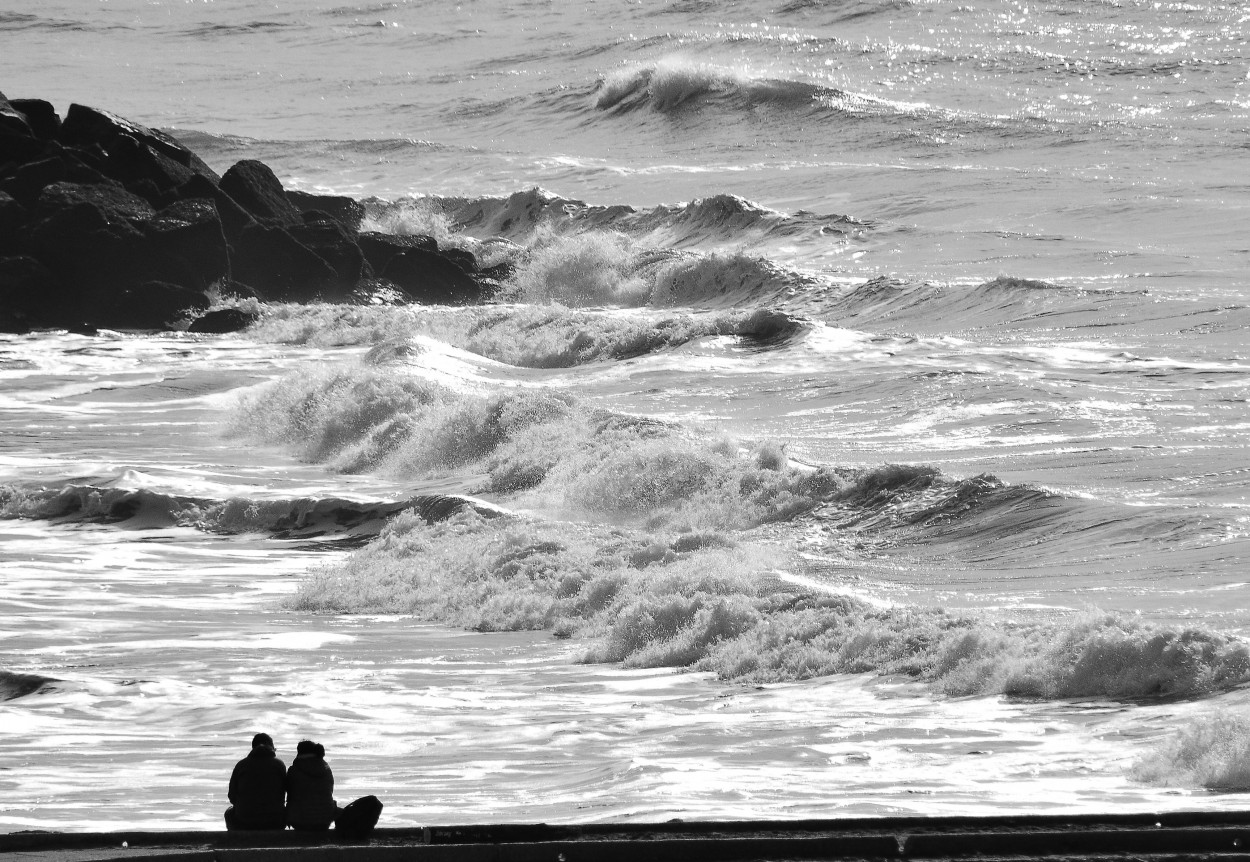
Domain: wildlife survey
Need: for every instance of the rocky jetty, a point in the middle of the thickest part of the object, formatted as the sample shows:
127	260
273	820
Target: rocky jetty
107	223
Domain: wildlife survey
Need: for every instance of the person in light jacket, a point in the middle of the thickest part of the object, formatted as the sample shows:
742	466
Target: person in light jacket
310	804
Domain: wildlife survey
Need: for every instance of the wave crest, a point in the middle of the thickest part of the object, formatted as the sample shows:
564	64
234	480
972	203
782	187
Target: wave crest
721	218
662	599
1003	300
551	336
151	508
671	83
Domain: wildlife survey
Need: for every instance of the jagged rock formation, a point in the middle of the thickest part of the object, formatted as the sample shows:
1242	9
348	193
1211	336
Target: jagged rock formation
107	223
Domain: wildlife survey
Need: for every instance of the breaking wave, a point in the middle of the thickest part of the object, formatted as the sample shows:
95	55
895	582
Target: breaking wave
721	218
651	542
672	84
144	508
1211	752
565	457
551	336
606	269
706	600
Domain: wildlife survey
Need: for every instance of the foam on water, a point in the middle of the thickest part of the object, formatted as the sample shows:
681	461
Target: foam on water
1211	751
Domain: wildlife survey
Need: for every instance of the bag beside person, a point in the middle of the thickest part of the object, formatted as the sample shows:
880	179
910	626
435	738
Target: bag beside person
358	818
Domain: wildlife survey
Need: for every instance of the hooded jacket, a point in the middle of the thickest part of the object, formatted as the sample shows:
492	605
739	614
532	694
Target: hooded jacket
256	789
310	793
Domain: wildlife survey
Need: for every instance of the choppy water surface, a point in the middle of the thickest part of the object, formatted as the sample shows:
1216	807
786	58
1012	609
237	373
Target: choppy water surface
862	431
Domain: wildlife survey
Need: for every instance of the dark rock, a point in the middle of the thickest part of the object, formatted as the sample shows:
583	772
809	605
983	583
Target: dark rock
151	305
40	116
258	191
18	142
223	320
464	259
346	211
115	204
233	217
29	180
88	237
152	193
429	277
29	294
333	244
13	123
379	248
12	217
190	232
146	171
279	267
84	126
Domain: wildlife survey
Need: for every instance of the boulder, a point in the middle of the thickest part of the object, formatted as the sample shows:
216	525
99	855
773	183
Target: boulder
85	126
233	217
333	244
40	116
430	278
464	259
346	211
29	294
146	171
379	248
258	191
18	142
13	122
222	320
189	233
13	217
29	180
279	267
150	305
113	203
87	235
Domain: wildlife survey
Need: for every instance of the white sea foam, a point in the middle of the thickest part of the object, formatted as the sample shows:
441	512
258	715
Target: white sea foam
1212	751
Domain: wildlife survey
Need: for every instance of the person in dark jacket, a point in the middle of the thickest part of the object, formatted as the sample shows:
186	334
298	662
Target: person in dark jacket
310	801
257	788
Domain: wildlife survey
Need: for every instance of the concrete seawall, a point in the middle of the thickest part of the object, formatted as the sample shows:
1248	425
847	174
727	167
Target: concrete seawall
1175	836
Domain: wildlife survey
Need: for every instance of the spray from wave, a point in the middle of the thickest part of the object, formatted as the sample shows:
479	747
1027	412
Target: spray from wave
1211	752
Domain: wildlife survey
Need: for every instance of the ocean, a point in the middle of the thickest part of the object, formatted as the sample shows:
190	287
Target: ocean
862	430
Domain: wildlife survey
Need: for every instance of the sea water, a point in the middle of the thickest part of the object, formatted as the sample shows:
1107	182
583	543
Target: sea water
862	432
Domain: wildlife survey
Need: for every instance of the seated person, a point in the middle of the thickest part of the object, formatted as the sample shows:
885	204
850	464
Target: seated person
310	801
257	787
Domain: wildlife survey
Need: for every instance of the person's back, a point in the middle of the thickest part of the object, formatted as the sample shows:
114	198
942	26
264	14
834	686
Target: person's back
310	801
257	789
